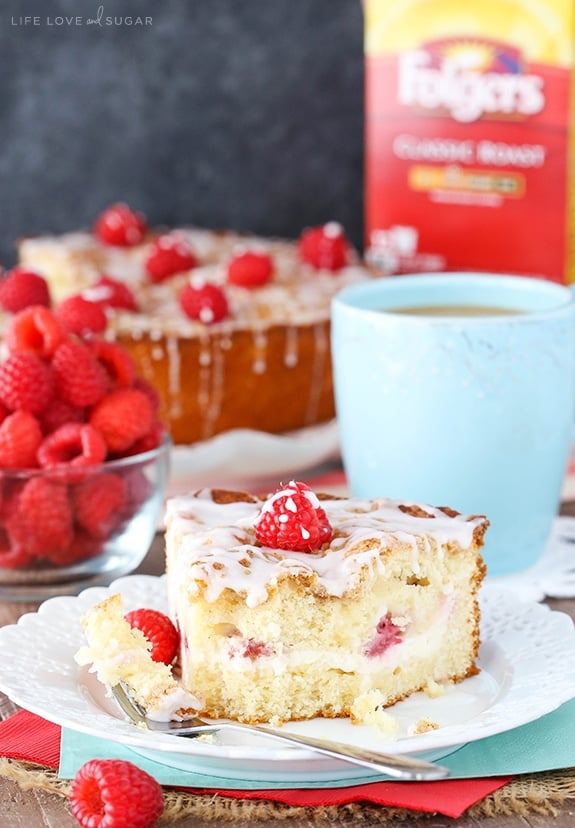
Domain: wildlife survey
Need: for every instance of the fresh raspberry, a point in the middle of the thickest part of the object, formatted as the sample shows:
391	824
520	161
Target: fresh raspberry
117	362
151	440
26	383
80	379
138	488
159	630
34	329
74	444
99	503
115	793
59	413
205	302
20	288
111	293
82	547
40	519
120	226
325	247
123	417
169	254
13	556
293	518
4	412
150	391
250	269
20	439
81	316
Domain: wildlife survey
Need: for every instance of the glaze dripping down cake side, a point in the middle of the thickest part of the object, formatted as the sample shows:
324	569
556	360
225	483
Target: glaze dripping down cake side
215	374
389	604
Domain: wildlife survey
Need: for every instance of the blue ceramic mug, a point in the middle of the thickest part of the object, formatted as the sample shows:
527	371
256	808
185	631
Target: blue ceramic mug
475	411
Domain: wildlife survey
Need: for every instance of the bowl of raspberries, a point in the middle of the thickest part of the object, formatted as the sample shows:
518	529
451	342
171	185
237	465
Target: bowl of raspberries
84	457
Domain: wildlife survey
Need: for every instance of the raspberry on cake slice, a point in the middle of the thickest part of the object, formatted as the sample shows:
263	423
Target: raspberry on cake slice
297	606
118	652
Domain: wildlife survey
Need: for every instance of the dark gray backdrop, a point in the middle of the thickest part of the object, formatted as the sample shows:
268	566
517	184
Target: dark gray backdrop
224	113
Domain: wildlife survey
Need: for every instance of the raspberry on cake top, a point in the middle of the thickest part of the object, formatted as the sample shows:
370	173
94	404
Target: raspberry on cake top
175	277
240	545
217	321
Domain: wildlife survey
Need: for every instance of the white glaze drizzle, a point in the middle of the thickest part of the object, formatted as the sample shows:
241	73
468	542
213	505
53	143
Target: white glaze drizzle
174	379
217	548
259	363
291	347
318	370
216	386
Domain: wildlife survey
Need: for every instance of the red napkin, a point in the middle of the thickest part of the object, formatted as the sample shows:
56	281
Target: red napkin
27	736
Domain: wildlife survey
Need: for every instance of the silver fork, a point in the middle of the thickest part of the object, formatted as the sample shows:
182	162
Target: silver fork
397	766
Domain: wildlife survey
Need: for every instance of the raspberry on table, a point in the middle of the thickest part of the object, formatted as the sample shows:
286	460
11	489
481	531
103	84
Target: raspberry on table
20	439
250	269
82	316
325	247
205	302
293	519
34	329
111	293
122	417
99	503
159	630
20	288
120	226
169	254
115	793
80	379
26	383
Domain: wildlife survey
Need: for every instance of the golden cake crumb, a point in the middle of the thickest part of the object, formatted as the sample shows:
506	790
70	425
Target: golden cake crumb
422	726
433	689
369	709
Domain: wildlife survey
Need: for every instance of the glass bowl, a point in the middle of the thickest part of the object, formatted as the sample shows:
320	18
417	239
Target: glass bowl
65	529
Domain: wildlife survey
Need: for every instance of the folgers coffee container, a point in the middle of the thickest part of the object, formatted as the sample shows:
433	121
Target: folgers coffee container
470	146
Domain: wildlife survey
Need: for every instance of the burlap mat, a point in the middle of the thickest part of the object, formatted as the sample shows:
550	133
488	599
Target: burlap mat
539	793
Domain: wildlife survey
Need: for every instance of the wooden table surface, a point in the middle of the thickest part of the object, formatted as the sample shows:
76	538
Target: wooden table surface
36	809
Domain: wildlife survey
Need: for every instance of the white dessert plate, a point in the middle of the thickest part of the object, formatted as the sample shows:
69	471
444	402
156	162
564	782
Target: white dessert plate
527	662
244	457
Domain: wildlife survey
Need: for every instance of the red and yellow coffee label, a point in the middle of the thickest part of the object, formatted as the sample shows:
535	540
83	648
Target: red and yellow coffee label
469	134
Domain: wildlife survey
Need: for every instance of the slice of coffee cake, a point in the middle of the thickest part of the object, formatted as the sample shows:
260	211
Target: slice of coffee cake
295	606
